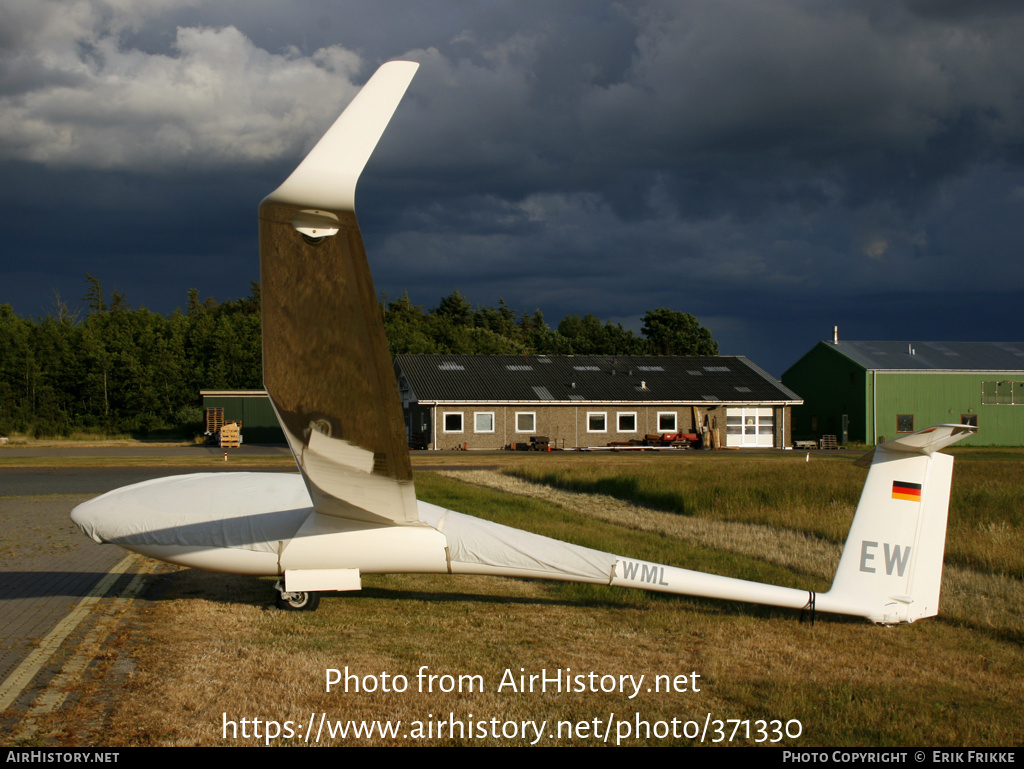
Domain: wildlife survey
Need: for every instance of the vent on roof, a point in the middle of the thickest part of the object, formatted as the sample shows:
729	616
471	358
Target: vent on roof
544	393
585	368
717	368
451	366
650	368
519	368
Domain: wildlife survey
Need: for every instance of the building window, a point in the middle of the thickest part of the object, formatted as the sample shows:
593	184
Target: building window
597	422
1004	393
666	421
969	419
904	423
483	422
526	421
452	421
626	421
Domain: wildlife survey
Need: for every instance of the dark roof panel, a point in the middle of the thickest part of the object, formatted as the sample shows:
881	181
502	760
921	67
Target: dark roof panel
594	378
934	356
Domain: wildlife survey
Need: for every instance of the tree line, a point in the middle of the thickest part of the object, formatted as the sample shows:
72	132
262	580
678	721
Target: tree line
109	368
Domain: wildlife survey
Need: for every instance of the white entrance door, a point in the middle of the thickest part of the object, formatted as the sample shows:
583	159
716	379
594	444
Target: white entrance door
750	427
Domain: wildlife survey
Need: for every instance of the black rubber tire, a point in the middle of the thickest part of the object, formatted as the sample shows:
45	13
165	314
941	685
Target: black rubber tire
301	602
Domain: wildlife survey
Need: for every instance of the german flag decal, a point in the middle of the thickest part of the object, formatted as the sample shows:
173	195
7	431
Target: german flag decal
904	490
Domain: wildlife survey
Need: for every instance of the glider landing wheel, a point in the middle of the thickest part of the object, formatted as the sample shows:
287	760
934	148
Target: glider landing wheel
299	601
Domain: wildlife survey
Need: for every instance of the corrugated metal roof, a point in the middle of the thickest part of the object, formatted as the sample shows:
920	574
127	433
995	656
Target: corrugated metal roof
934	356
589	378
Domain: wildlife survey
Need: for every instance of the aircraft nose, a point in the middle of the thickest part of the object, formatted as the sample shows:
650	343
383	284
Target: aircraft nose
88	517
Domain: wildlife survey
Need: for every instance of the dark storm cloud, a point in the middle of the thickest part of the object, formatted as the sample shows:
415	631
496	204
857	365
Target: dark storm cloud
576	156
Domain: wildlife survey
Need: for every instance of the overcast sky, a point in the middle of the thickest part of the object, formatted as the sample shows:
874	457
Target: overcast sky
774	167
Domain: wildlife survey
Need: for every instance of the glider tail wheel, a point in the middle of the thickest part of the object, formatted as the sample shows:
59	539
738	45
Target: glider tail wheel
299	601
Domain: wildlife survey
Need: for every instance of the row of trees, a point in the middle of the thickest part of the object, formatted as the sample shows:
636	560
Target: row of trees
111	368
455	326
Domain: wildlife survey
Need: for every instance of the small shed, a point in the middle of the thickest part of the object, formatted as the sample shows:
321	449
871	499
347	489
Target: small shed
249	407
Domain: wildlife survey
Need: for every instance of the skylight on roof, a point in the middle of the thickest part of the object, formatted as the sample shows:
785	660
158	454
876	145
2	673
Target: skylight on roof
519	368
1007	347
650	368
717	368
942	348
871	348
585	368
446	366
710	397
741	389
694	373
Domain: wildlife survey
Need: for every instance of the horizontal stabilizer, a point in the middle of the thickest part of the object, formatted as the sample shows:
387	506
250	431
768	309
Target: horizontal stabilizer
922	442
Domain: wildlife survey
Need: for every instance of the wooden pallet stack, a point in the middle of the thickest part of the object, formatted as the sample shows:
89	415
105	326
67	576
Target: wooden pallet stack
214	419
230	435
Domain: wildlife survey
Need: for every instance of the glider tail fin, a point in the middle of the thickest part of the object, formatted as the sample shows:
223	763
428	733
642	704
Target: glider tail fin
326	365
891	567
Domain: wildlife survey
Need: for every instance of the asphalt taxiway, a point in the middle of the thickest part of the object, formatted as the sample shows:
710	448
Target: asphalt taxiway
59	589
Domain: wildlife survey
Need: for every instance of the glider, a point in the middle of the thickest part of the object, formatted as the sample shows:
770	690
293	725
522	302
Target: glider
352	510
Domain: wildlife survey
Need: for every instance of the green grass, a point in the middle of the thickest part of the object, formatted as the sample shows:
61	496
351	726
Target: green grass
986	522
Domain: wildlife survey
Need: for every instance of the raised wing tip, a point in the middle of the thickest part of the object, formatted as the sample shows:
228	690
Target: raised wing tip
326	178
931	439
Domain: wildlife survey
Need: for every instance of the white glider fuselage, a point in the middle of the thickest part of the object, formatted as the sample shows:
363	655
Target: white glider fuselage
352	508
264	524
272	536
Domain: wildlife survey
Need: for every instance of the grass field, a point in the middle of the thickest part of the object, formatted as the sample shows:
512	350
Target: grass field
212	649
986	509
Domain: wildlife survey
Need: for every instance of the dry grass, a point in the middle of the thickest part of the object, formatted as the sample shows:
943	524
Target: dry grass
213	645
847	683
80	437
199	461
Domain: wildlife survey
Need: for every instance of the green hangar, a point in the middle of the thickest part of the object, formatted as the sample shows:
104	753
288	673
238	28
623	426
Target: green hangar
871	391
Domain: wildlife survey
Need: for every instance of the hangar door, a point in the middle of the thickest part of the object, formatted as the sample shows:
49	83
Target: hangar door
750	426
